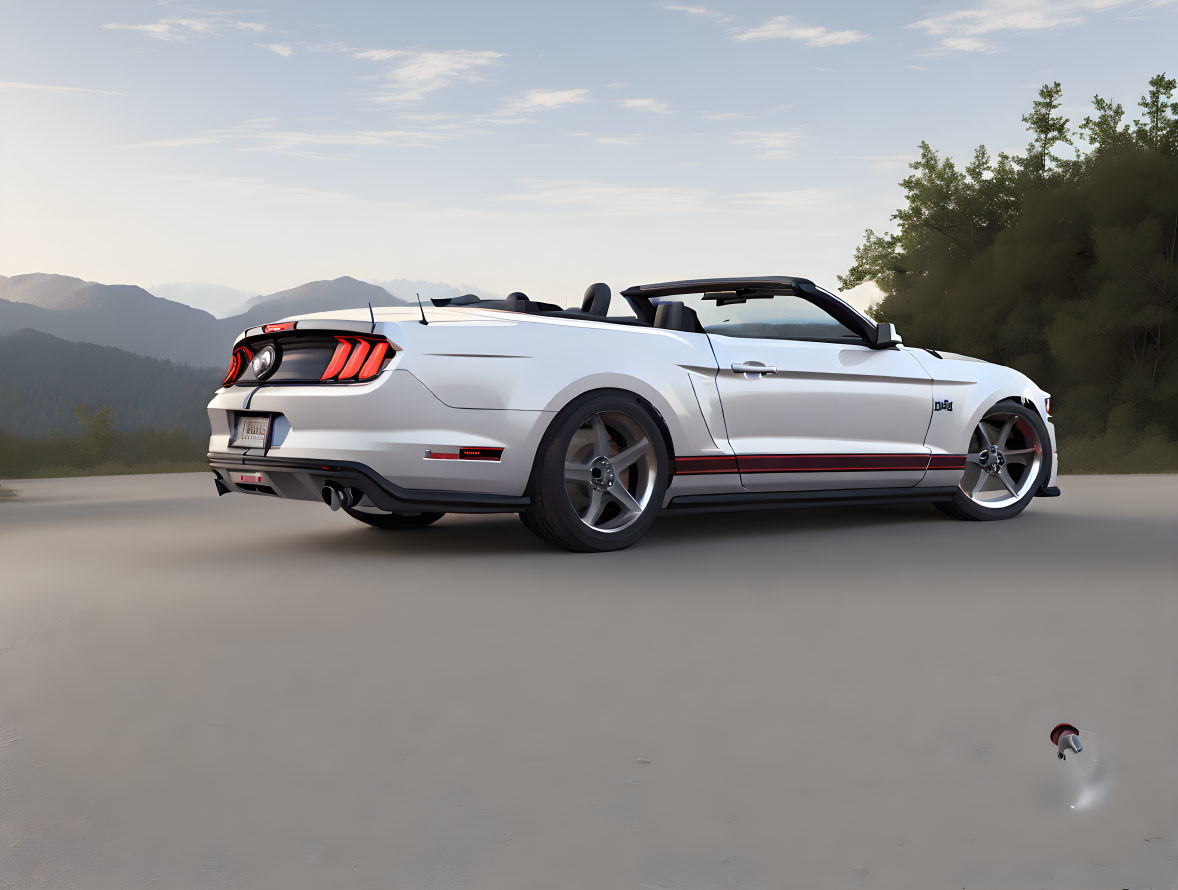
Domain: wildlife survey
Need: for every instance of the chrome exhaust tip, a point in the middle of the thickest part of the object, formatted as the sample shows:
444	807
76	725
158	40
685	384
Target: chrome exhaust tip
335	496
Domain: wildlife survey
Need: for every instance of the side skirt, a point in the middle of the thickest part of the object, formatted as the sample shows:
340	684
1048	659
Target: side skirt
794	500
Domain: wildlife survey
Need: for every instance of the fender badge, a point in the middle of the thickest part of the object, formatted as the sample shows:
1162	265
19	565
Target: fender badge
942	405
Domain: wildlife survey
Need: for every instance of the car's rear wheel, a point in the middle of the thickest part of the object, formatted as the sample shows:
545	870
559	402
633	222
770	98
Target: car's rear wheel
394	521
600	475
1008	461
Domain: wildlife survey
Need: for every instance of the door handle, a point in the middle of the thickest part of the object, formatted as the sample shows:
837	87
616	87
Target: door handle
753	369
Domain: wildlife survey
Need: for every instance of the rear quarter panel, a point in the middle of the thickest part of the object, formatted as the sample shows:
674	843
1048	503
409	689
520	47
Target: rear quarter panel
523	363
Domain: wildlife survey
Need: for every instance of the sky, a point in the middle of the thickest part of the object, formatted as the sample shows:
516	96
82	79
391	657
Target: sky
534	146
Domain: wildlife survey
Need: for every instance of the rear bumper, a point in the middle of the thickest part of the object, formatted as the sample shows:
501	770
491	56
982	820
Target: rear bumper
393	426
304	479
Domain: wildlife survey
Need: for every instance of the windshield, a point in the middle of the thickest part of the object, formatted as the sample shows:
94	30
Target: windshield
770	316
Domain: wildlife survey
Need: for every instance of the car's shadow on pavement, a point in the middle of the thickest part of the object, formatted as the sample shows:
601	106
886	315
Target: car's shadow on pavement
498	535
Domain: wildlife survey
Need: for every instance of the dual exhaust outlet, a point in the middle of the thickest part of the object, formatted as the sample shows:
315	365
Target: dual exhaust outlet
336	496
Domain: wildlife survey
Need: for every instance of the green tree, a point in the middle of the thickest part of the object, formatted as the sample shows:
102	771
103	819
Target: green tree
1067	270
1048	129
1159	129
98	440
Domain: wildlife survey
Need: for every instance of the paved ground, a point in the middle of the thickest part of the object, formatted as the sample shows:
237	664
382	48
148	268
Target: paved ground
246	693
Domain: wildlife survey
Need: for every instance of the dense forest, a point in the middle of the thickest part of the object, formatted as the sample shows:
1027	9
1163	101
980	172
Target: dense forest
147	415
42	378
93	447
1061	261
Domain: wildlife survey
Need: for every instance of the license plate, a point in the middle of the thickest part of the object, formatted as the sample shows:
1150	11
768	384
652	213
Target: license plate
252	432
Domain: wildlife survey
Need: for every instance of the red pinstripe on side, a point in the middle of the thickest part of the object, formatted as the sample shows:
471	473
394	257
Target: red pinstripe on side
815	463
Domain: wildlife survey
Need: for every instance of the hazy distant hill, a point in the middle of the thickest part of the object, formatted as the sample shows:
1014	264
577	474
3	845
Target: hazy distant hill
120	315
46	291
42	378
406	289
216	299
314	296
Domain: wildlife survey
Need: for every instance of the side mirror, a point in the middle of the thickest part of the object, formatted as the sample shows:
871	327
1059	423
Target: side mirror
886	335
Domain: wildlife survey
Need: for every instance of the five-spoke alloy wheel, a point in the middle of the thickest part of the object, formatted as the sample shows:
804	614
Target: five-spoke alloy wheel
1008	460
600	476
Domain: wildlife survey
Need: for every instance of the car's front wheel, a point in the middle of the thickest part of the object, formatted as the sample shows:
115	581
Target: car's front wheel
394	521
1009	458
600	475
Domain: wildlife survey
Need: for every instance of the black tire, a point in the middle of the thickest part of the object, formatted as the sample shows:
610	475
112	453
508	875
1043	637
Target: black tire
529	525
394	521
552	515
964	507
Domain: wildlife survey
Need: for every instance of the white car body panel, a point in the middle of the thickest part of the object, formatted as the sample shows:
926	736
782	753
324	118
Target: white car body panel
973	386
824	399
477	377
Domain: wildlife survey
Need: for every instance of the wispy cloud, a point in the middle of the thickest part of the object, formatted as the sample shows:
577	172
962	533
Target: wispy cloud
774	145
619	140
417	73
546	100
699	11
603	197
726	115
283	49
783	27
178	29
54	88
882	162
250	190
890	158
967	30
658	106
177	142
615	199
264	135
796	199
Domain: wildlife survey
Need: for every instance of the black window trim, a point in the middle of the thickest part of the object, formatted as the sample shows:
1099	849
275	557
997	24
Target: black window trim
639	297
843	342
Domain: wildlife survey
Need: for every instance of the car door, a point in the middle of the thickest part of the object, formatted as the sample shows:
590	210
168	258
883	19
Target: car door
808	405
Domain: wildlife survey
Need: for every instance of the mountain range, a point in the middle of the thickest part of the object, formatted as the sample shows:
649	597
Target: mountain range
127	317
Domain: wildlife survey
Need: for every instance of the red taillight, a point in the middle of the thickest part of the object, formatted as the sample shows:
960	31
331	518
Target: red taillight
275	328
237	364
356	358
372	367
337	359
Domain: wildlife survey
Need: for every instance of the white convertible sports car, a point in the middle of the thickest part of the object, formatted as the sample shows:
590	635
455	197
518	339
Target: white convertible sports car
716	394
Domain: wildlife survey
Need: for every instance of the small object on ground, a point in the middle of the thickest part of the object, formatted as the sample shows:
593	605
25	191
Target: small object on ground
1066	738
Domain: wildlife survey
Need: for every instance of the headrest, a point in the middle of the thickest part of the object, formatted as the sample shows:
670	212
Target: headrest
675	316
517	302
596	301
